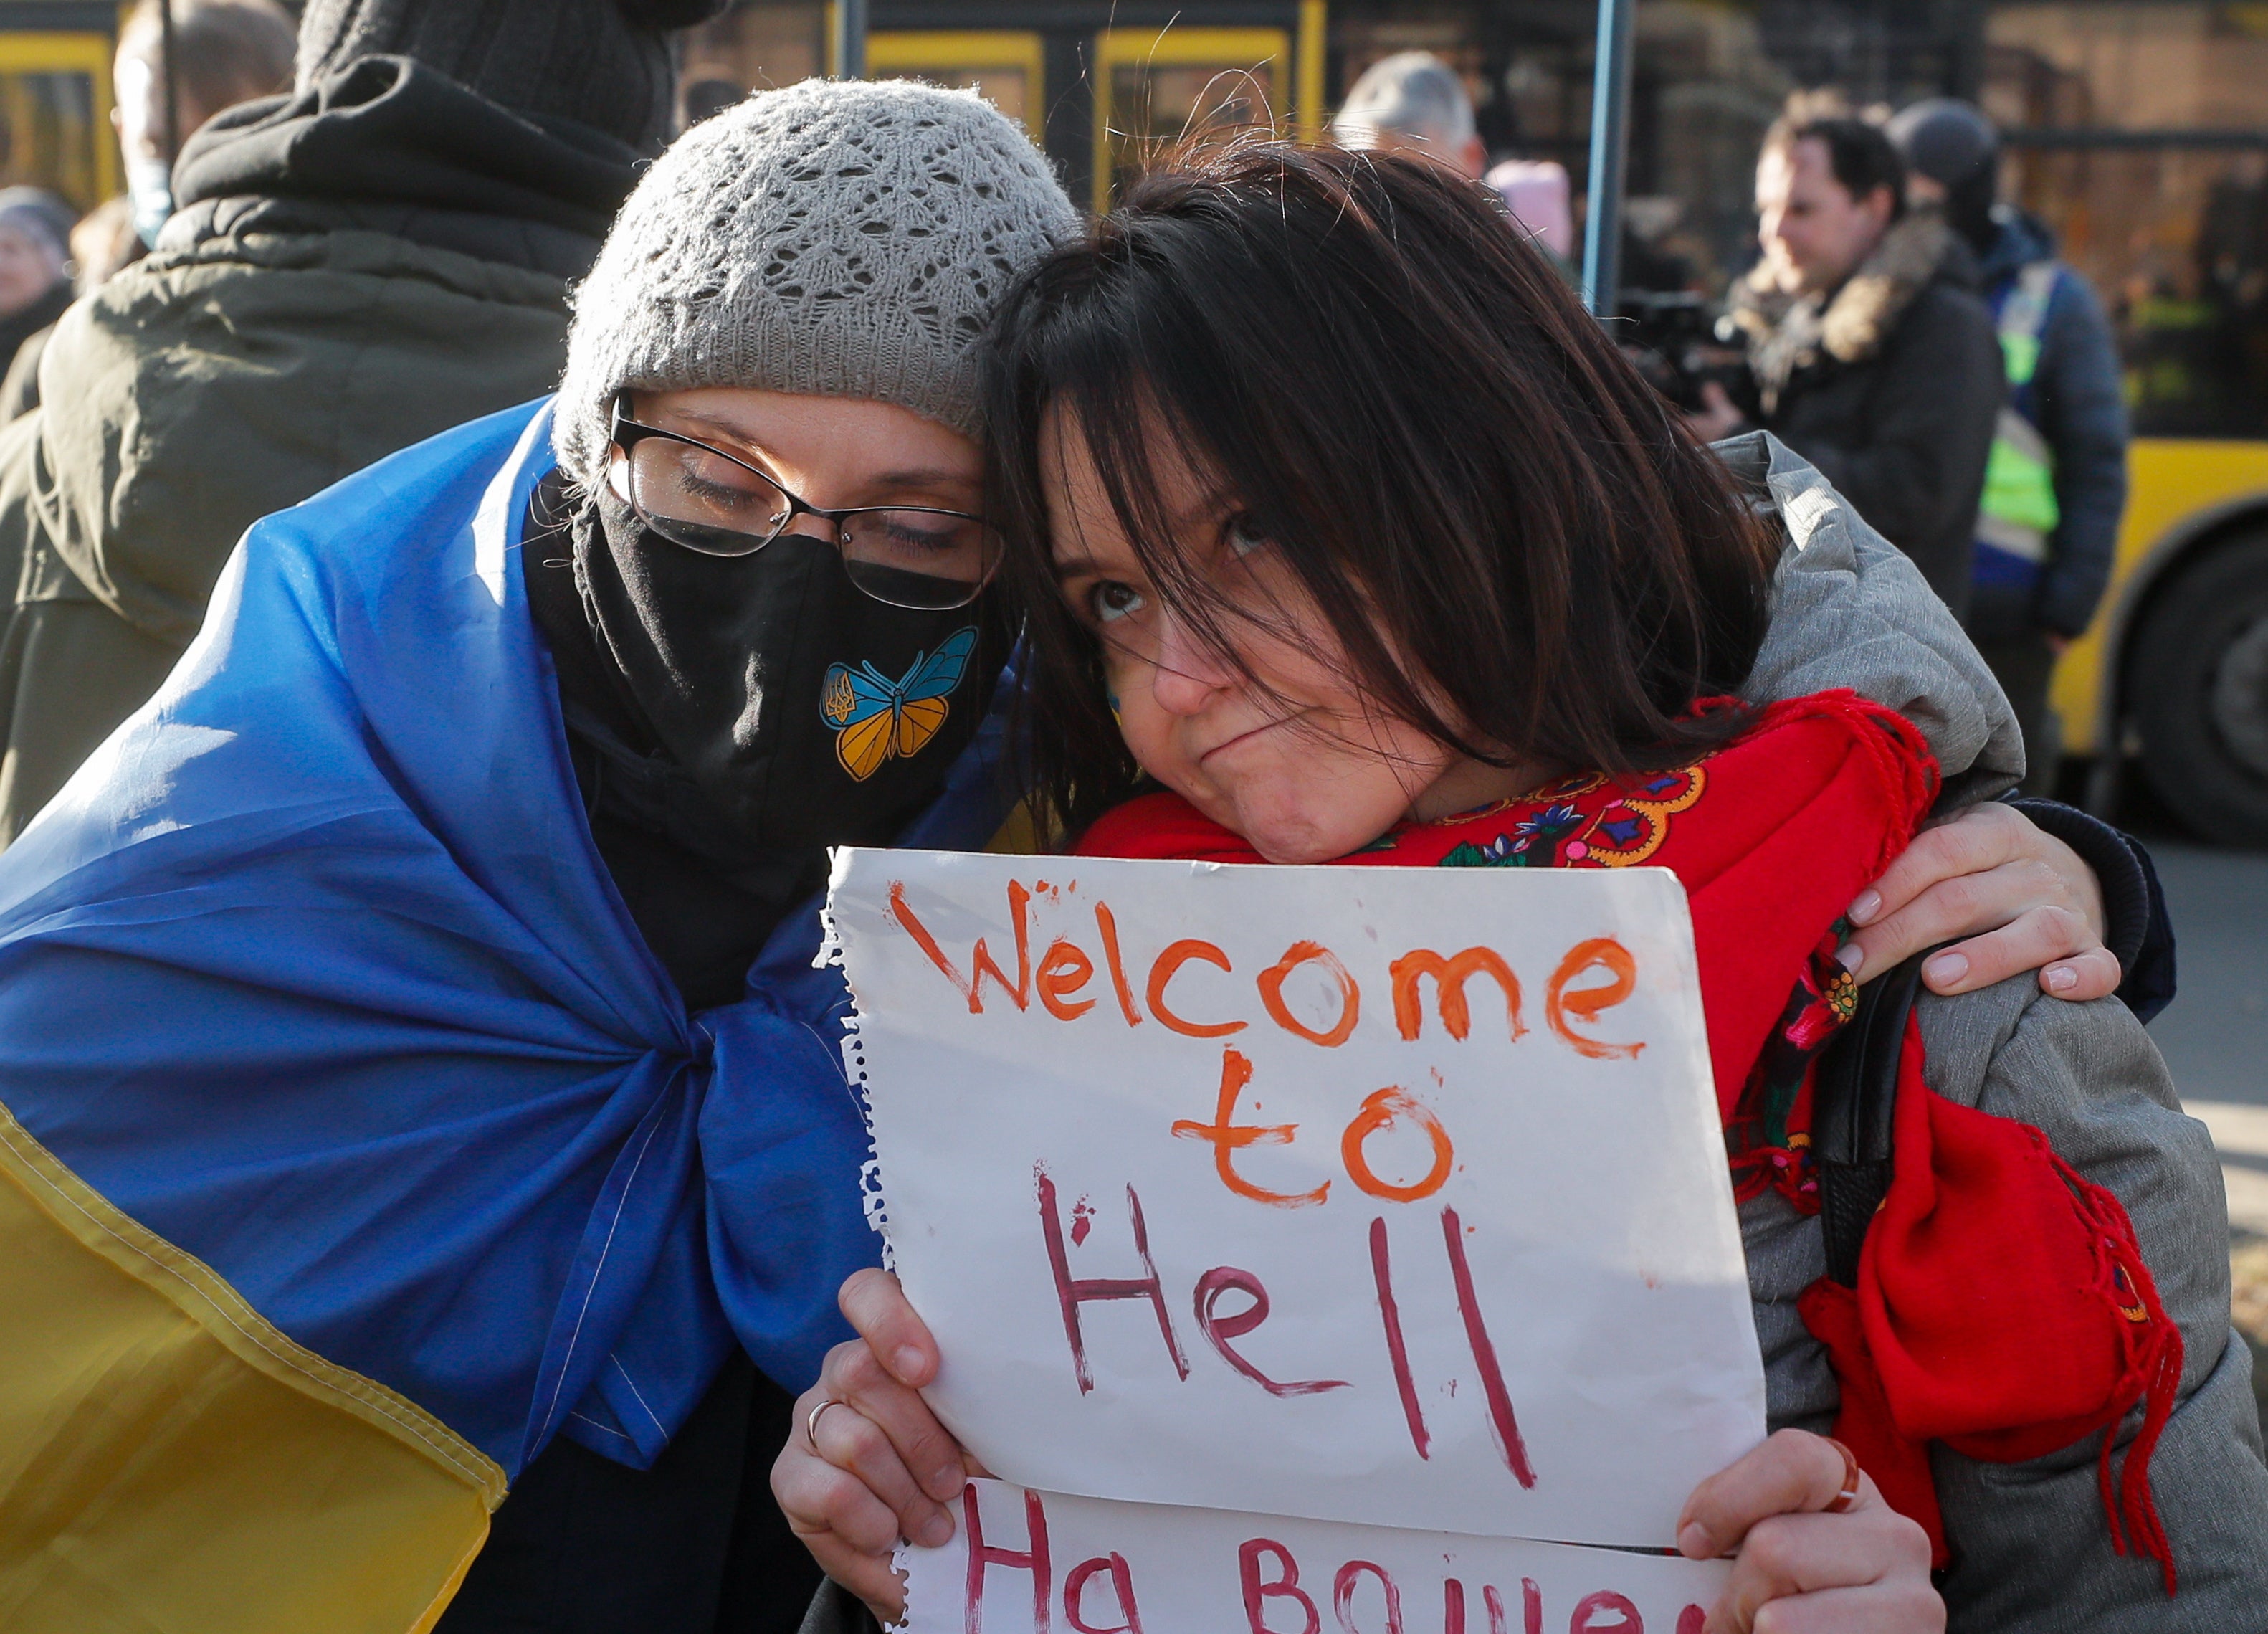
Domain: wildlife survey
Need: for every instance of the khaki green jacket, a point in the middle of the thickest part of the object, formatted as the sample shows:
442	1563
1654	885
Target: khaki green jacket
199	390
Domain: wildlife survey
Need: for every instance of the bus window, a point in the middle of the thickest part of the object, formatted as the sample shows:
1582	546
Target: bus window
55	116
1155	88
754	47
2138	134
1002	66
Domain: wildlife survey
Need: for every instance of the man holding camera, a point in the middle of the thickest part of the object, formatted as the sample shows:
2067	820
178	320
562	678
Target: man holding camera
1871	358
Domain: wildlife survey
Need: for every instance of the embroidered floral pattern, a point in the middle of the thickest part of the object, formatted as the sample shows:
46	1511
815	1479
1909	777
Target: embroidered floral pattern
1588	820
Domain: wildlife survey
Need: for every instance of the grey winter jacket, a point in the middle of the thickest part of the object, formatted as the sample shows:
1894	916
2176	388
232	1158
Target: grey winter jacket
2077	400
2033	1552
2031	1545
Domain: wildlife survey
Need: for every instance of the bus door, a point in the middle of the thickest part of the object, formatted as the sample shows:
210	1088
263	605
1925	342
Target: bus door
55	115
1155	86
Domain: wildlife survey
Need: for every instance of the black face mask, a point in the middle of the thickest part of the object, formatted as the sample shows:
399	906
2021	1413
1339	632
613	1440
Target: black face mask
798	711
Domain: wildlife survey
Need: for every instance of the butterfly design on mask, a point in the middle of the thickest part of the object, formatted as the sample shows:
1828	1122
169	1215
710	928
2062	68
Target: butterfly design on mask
876	717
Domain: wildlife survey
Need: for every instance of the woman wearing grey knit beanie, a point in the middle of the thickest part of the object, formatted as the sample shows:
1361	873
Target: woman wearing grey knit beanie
490	805
759	569
759	565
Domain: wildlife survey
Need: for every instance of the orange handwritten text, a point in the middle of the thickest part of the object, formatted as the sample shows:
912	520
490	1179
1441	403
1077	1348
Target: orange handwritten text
1108	926
1450	974
1176	955
1381	1109
1271	994
1585	1004
1064	981
981	961
1063	971
1229	1136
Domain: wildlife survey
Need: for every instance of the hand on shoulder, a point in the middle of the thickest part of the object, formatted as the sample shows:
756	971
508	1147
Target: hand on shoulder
2018	898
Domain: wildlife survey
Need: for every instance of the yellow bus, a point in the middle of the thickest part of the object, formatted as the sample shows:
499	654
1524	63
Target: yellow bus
1098	83
2141	133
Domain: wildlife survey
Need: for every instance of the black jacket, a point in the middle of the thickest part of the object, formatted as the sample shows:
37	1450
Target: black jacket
351	270
1890	385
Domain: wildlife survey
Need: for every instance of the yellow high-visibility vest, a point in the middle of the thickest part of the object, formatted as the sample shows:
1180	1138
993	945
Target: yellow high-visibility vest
2019	513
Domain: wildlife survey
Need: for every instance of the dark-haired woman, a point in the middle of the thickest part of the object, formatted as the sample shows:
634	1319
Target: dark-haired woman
1348	537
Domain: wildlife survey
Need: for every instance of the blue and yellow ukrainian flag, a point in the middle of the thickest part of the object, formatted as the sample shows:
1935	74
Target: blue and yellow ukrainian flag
352	1144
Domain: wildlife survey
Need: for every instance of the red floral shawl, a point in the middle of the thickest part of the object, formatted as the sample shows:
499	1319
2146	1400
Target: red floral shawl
2002	1304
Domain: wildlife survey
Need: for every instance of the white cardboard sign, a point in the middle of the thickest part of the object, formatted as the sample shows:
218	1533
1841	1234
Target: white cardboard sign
1041	1561
1385	1195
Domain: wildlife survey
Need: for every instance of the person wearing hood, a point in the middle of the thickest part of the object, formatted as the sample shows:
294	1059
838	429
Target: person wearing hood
380	254
1873	358
225	52
2056	485
411	1050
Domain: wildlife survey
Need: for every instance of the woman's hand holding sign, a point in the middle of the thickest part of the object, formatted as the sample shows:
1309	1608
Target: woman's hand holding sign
868	1463
1810	1553
875	1466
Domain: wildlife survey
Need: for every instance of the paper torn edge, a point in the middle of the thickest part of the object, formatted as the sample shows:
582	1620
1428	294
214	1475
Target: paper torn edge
873	1201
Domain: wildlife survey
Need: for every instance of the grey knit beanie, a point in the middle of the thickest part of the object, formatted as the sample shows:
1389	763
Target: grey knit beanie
845	238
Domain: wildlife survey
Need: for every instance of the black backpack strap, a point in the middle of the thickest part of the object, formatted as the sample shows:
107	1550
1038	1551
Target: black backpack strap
1854	1100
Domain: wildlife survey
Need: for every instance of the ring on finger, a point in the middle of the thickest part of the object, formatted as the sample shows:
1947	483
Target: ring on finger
1843	1500
811	1422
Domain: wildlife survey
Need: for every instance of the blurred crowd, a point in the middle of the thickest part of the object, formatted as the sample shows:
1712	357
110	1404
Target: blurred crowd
1904	329
389	203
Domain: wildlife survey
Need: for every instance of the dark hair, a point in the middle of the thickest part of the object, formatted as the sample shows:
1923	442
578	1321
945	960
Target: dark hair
1861	157
1456	463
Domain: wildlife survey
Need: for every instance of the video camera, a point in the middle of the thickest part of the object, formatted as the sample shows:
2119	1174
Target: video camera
1677	342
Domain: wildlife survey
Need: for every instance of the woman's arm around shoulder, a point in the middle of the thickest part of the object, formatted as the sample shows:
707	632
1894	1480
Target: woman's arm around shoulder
2031	1541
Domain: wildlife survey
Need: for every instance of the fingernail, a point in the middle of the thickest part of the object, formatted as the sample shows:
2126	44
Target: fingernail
1868	905
1694	1543
2062	978
1946	969
944	1481
935	1533
906	1363
1851	956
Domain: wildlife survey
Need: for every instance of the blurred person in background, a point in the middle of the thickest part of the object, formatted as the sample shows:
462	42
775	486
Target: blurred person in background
225	52
1538	193
103	245
35	285
378	254
1874	358
2056	485
103	242
1413	103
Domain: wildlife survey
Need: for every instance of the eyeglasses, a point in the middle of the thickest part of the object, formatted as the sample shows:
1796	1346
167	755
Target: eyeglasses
714	503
